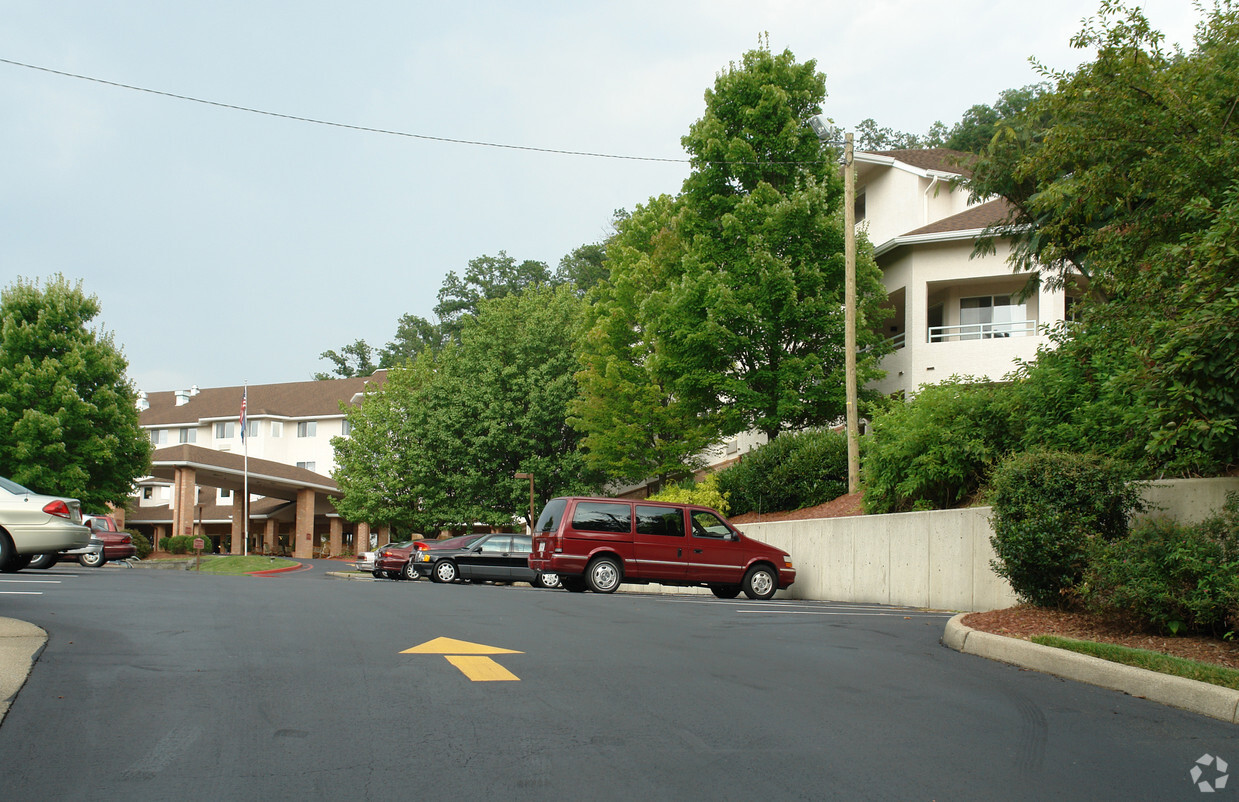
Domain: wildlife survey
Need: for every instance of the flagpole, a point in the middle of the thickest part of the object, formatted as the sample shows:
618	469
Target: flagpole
245	549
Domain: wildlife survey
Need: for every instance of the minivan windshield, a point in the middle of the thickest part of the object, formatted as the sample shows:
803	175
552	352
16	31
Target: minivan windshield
551	515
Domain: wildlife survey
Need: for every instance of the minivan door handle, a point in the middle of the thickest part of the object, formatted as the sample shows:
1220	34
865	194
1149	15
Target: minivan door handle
696	551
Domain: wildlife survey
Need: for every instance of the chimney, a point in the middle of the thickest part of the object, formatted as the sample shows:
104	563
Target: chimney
193	391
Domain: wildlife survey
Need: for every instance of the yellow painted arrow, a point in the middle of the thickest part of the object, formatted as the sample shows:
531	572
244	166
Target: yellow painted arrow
469	658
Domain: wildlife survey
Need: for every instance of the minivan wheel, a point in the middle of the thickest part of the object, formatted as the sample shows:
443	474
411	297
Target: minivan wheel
444	571
548	580
760	582
603	575
725	591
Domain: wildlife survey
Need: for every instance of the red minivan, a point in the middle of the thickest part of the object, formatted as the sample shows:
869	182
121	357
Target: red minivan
599	543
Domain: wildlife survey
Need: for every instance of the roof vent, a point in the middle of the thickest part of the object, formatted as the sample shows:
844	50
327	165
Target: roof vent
182	397
194	390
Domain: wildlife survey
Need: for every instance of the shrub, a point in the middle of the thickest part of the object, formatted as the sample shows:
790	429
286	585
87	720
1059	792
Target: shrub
705	493
1048	508
140	543
1176	578
184	544
790	472
936	450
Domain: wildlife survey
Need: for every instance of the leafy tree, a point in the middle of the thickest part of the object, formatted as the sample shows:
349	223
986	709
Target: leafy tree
487	277
749	324
634	425
584	268
68	414
414	335
356	359
1122	180
437	445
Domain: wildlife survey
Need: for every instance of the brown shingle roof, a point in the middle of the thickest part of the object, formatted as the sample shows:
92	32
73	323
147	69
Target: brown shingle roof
291	399
941	159
968	220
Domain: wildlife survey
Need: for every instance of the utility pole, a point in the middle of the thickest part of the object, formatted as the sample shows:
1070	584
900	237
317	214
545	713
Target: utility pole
849	313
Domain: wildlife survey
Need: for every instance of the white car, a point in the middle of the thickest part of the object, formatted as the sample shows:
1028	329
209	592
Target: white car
33	524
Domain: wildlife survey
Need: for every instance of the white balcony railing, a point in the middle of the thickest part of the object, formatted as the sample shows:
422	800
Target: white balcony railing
982	331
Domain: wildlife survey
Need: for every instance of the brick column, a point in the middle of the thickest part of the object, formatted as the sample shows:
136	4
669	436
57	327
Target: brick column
384	536
184	484
304	530
269	540
337	536
159	534
238	522
361	538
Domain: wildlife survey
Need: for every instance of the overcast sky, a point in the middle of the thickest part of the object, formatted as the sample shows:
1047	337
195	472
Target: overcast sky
230	247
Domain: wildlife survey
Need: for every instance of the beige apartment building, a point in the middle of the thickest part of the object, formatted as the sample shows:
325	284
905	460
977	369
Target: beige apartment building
201	464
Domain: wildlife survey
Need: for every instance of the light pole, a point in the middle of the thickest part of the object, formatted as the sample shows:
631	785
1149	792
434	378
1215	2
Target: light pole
824	133
528	476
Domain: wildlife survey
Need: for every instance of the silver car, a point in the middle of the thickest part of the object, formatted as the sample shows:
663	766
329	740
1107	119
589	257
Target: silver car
33	524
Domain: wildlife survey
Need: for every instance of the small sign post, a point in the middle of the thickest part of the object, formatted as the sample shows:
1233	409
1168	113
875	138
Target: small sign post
198	546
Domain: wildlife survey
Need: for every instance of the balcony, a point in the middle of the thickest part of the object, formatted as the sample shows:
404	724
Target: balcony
982	331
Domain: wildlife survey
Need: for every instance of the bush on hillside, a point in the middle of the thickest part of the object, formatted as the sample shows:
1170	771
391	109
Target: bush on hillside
705	493
936	450
1173	577
1050	507
140	543
788	473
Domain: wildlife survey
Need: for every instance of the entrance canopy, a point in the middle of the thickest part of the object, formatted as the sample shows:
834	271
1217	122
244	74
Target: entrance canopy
227	470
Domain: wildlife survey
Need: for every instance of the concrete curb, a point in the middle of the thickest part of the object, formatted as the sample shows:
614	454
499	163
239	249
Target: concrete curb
20	643
1185	694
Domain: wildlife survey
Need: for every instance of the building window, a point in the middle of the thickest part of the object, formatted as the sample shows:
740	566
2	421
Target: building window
859	208
309	466
189	435
148	493
277	428
251	429
990	316
307	428
346	428
225	430
225	494
159	437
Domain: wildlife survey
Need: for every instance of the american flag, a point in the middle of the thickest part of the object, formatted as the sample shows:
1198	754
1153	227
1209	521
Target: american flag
244	393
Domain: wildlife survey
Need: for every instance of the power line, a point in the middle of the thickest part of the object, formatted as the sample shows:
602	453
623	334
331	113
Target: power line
331	124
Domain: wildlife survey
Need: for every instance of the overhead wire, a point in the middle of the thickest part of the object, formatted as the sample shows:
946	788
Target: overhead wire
332	124
352	127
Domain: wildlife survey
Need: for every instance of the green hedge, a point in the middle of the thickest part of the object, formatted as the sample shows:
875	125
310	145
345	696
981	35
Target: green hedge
936	451
1177	578
705	493
790	472
1049	508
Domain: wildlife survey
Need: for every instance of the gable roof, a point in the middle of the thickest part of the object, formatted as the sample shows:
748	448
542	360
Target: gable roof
942	160
965	225
308	399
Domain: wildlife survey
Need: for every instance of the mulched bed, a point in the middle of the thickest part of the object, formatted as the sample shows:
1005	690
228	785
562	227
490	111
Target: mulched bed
1024	621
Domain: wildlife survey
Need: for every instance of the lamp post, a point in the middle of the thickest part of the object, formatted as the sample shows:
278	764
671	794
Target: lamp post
824	134
528	476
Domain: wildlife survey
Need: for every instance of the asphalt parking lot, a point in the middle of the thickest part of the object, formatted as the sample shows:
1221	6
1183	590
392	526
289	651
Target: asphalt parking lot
175	685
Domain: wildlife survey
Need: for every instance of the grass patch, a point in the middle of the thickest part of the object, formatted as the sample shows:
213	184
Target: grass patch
237	565
1143	658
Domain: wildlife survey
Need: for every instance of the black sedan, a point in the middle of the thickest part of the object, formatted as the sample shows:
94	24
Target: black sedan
501	557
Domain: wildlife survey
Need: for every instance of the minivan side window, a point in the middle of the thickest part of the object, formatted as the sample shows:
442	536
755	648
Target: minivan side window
707	524
602	516
660	521
551	515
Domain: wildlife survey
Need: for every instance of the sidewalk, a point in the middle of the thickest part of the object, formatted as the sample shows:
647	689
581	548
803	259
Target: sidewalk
20	643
